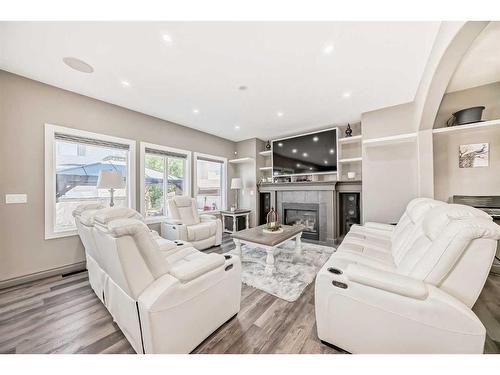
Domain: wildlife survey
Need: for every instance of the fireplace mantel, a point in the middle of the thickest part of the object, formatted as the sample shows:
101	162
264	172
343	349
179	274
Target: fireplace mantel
297	186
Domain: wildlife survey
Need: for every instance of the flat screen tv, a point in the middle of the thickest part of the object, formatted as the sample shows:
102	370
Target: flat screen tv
313	153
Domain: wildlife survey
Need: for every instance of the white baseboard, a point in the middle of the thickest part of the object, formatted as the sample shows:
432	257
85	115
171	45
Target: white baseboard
42	274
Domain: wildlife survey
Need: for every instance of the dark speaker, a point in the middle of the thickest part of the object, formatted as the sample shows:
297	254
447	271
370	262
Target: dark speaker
349	211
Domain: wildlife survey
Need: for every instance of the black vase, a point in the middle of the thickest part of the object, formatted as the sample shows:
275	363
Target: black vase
268	145
348	131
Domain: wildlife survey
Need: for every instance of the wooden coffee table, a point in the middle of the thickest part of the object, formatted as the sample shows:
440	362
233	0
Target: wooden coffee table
269	241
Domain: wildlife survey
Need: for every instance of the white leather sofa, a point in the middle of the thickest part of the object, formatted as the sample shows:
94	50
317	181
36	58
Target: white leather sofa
165	297
408	288
185	224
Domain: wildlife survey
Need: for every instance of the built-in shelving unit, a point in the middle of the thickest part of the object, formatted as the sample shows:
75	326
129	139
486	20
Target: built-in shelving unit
350	160
353	139
266	168
461	128
241	160
265	153
400	138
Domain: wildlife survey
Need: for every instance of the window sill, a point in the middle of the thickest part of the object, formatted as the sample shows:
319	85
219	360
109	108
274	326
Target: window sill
68	233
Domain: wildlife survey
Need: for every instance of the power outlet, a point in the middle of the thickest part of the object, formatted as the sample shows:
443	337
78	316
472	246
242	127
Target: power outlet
16	198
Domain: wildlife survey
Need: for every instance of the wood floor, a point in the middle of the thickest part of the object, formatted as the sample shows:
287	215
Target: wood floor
62	315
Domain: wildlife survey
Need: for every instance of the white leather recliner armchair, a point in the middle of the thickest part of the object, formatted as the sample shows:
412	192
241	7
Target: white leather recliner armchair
414	293
184	223
163	301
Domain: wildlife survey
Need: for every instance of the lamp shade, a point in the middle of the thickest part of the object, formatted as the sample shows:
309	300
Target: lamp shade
110	180
236	183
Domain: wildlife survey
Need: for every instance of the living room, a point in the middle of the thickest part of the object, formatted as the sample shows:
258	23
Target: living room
248	187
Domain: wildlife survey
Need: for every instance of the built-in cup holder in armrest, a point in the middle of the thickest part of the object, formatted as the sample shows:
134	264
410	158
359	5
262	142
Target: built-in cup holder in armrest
227	256
335	271
228	267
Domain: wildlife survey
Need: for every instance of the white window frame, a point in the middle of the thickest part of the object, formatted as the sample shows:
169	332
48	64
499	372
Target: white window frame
224	178
187	174
50	173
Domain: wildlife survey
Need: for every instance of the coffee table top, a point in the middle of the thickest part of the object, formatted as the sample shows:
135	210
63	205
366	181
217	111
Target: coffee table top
256	235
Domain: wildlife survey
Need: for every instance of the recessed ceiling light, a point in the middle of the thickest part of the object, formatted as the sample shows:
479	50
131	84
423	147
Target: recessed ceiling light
294	150
125	83
78	64
242	88
280	144
328	49
346	95
305	154
196	111
315	139
167	38
332	151
279	114
236	127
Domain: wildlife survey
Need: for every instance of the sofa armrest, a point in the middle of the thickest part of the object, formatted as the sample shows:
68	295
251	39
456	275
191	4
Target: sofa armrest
387	281
207	217
197	267
173	221
380	226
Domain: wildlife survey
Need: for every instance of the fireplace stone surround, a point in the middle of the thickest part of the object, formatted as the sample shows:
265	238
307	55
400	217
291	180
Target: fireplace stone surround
325	194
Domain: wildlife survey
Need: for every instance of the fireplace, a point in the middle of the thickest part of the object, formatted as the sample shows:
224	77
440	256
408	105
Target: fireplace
306	214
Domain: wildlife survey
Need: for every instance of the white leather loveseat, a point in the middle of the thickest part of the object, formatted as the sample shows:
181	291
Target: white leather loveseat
408	288
184	223
165	298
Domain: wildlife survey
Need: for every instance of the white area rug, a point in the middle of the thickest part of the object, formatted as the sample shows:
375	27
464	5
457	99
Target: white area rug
291	276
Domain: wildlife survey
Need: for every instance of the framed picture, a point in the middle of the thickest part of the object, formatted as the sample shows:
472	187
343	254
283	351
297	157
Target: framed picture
473	155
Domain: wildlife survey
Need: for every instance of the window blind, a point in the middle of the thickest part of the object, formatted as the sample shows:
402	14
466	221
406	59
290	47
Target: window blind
165	153
90	141
210	160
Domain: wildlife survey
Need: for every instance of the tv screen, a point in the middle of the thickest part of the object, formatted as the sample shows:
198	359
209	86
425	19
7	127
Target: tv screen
306	154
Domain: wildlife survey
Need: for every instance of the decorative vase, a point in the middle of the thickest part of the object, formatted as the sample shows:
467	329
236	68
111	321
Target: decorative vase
272	220
268	145
348	131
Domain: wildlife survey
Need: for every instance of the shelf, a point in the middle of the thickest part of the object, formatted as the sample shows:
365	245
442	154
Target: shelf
353	139
265	153
400	138
241	160
350	160
457	128
266	168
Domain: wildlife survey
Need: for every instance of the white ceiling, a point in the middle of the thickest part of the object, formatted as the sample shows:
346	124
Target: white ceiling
481	63
283	65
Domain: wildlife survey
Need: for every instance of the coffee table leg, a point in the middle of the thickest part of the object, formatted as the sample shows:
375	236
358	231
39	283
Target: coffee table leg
238	247
270	260
298	245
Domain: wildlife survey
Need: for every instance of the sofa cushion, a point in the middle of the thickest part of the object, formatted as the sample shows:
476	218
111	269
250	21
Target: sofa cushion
201	231
109	214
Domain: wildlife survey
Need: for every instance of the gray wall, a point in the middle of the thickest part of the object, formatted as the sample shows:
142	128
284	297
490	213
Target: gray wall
451	180
25	106
487	95
390	171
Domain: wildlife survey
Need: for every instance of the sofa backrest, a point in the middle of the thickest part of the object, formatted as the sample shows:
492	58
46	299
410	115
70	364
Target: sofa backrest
453	250
409	227
130	256
184	209
84	219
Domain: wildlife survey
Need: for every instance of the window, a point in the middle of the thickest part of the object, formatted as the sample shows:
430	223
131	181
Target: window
73	161
210	180
165	172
